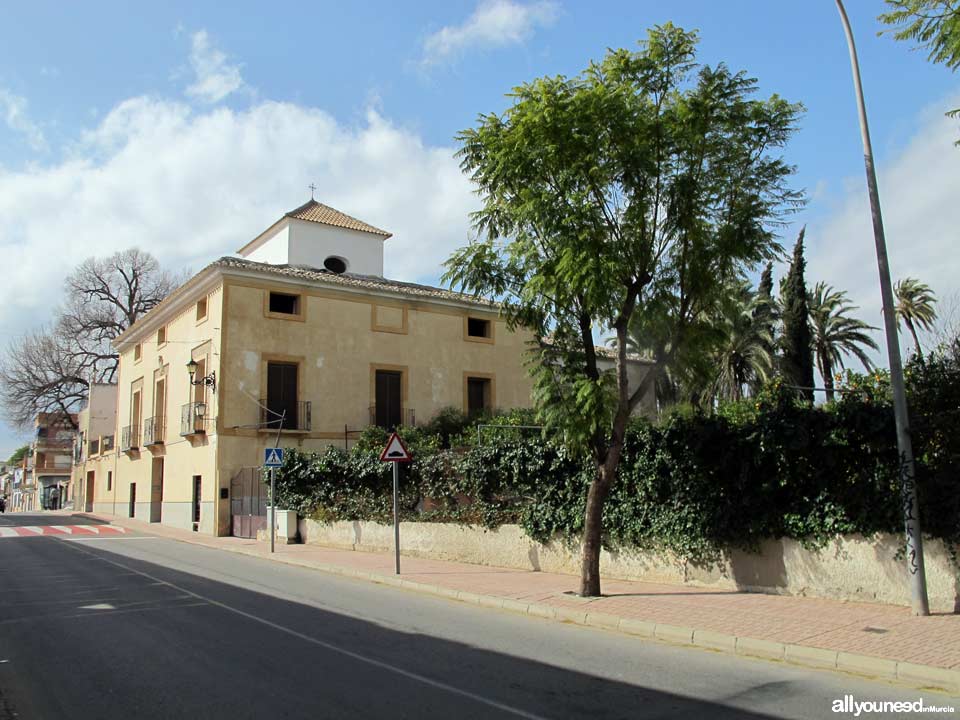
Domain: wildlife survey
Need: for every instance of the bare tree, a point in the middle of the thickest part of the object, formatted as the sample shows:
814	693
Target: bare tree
51	370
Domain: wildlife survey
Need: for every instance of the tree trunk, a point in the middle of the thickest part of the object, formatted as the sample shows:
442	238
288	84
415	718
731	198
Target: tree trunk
827	373
593	525
916	340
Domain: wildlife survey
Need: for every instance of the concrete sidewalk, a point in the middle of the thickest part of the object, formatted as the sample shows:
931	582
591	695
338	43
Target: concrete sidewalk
875	640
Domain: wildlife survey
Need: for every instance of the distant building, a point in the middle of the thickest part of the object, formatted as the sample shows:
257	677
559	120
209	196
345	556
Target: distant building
95	455
51	452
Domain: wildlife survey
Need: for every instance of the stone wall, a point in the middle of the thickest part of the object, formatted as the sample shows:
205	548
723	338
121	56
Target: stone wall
849	568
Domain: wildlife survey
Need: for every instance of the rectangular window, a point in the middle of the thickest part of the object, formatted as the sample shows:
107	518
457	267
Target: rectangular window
162	335
200	390
137	352
282	395
135	411
478	395
109	479
284	304
478	328
201	309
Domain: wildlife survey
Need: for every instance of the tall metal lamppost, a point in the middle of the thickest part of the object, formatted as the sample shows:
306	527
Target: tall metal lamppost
908	485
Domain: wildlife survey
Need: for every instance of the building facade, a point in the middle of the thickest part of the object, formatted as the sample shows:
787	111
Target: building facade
95	449
52	459
299	341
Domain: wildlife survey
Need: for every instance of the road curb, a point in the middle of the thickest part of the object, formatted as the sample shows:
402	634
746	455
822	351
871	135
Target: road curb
913	674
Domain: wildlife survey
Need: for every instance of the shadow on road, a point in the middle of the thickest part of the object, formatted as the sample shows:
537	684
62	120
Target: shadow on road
194	647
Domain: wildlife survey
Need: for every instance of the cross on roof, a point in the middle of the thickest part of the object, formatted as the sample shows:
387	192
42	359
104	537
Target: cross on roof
312	189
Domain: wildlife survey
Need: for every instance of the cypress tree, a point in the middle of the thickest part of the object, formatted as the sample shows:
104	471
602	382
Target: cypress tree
796	363
765	289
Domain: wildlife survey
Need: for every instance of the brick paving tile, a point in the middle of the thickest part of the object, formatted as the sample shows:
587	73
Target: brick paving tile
883	631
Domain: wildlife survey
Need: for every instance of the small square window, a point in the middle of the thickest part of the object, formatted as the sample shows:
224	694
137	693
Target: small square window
137	352
478	328
284	304
162	335
201	309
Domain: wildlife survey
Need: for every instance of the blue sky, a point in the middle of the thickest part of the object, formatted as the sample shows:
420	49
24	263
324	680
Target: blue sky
186	128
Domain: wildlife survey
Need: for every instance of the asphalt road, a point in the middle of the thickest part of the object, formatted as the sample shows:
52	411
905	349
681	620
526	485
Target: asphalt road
142	627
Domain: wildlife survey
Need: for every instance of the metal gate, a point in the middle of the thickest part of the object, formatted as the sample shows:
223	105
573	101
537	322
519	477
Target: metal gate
248	503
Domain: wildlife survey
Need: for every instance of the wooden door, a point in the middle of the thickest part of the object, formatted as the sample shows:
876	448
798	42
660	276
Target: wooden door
88	497
156	490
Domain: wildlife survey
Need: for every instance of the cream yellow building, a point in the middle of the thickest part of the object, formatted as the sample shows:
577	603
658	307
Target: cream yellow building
302	329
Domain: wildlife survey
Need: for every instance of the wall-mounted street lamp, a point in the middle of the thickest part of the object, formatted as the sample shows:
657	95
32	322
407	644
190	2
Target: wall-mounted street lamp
209	381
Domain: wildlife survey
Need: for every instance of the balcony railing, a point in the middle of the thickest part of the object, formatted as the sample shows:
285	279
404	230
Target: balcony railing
406	417
53	444
106	443
193	419
296	417
153	430
50	465
130	438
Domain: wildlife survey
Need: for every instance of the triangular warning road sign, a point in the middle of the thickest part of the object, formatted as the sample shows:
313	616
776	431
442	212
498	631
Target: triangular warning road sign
395	451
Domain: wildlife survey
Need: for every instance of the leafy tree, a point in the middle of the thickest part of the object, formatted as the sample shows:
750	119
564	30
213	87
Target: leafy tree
835	334
796	340
631	193
915	301
933	24
744	356
18	455
50	370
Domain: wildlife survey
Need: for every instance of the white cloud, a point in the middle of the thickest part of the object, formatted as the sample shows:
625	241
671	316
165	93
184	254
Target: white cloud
494	23
919	191
215	77
191	186
13	112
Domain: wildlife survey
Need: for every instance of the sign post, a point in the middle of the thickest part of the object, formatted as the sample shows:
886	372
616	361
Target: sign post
396	452
272	459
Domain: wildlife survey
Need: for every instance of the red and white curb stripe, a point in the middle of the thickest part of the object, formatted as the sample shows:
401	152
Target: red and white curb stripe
37	530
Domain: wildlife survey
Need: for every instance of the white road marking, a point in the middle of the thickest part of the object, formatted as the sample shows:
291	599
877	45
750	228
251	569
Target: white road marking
33	529
99	606
63	528
334	648
8	532
82	540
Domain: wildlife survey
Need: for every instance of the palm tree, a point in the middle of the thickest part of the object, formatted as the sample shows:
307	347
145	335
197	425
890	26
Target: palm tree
744	355
835	334
915	301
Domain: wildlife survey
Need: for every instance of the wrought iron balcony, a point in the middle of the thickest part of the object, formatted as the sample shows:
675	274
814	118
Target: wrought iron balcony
153	430
295	416
106	443
193	419
406	417
130	438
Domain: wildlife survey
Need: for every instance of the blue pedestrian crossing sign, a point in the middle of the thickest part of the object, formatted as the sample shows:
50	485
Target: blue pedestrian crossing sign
272	457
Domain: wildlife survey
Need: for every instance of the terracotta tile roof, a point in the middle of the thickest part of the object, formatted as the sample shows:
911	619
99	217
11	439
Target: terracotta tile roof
369	282
320	213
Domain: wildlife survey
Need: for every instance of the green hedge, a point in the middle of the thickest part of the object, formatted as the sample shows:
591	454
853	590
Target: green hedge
696	484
